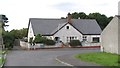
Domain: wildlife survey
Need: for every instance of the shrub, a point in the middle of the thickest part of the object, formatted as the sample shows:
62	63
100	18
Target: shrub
75	43
40	39
31	40
50	42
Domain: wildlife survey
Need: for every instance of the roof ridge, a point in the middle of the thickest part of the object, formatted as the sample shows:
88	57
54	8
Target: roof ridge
46	18
84	19
56	19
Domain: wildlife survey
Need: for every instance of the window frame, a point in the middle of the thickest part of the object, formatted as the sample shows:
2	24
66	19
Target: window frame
96	39
67	27
84	38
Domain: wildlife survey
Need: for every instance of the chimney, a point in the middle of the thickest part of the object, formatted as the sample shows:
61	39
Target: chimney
69	17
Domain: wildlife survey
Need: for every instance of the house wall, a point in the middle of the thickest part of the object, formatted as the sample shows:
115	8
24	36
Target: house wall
49	37
109	37
30	32
71	32
90	37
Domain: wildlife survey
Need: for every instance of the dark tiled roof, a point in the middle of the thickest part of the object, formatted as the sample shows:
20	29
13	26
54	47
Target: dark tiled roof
87	26
50	26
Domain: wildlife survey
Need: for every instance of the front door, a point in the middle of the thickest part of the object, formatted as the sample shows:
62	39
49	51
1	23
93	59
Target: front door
57	39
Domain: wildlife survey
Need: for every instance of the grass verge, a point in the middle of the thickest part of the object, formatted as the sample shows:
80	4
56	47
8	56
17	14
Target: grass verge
102	58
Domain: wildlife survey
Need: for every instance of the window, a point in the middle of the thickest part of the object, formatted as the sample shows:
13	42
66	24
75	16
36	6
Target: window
96	39
75	38
72	38
67	27
84	38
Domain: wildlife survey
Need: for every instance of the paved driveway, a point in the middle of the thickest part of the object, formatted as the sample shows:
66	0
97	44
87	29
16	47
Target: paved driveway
42	57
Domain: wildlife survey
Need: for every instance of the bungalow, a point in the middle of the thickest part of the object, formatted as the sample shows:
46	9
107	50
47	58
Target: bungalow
65	29
110	37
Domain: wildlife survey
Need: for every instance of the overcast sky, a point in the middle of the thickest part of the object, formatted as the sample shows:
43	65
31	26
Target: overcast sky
19	11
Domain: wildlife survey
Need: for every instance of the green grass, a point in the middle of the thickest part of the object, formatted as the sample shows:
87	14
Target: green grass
3	51
102	58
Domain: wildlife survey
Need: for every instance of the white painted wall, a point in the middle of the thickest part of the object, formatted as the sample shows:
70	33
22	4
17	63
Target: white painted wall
30	32
71	32
90	37
49	37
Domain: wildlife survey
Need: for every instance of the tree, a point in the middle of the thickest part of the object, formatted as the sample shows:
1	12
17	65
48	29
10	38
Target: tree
8	39
16	34
3	20
23	32
19	34
100	18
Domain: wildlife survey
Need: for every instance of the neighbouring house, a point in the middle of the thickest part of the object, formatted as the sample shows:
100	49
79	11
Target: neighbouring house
65	29
110	37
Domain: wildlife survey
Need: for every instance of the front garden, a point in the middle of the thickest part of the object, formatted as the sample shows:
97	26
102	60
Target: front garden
102	58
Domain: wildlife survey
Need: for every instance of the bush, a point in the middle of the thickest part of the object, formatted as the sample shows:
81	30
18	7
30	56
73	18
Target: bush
31	40
50	42
44	40
40	40
75	43
8	40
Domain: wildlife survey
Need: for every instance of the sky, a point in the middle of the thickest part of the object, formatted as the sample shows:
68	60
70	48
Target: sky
19	11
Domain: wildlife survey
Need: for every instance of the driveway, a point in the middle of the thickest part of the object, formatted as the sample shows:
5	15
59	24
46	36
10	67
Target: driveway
42	57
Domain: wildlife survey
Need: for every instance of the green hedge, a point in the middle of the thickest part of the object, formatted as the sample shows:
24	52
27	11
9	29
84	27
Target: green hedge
40	39
75	43
50	42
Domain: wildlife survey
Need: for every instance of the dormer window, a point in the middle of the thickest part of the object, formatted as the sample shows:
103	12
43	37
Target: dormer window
67	27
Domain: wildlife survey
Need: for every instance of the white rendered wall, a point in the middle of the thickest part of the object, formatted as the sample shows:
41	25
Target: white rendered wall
71	32
30	32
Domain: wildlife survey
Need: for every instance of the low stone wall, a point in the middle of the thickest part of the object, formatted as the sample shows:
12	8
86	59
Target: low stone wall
26	45
90	44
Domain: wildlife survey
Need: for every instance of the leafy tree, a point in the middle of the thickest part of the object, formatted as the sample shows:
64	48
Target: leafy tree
23	32
19	34
8	39
3	20
100	18
16	34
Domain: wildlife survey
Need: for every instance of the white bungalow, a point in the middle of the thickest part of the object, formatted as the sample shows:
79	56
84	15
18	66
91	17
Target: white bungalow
65	29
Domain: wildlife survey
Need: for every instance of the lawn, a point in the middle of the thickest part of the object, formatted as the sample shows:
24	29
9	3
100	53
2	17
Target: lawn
102	58
2	52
